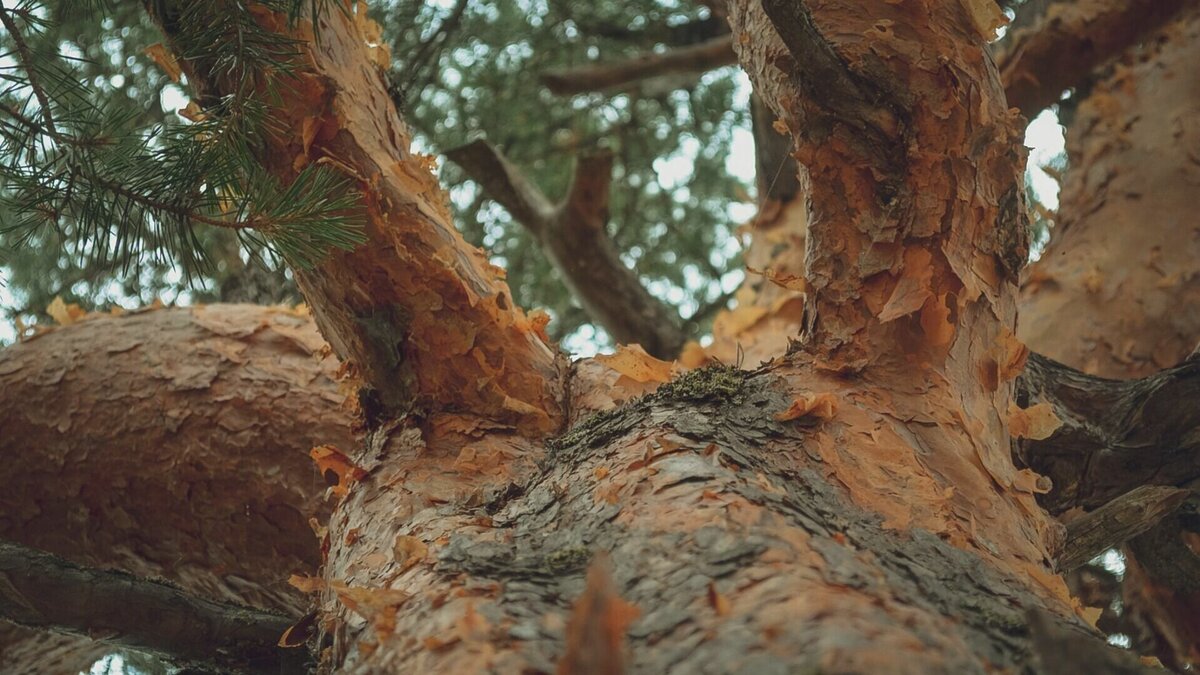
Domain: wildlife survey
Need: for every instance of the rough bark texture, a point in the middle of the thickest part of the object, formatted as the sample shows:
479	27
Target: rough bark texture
426	321
1115	434
45	591
171	444
724	531
827	516
1117	291
852	509
574	235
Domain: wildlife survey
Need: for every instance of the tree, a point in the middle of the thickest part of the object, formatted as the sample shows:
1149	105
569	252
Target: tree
852	504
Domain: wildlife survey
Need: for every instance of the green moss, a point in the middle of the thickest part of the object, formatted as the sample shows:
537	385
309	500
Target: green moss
568	558
590	431
715	382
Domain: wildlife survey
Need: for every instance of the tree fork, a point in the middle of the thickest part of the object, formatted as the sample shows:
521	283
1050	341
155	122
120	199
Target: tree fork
427	323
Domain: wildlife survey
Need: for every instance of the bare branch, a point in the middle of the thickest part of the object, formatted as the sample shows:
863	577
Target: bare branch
690	61
1116	435
1042	61
1117	522
504	183
573	233
40	590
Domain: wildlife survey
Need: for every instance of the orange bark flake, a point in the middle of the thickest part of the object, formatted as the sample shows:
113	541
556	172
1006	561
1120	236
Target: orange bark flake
819	406
65	314
597	627
337	468
717	601
409	551
1037	422
633	362
165	60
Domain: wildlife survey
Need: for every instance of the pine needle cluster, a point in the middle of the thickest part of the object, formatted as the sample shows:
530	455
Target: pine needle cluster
117	189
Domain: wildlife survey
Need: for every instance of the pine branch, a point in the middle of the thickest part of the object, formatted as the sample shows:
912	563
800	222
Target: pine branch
1116	522
1116	435
44	591
27	60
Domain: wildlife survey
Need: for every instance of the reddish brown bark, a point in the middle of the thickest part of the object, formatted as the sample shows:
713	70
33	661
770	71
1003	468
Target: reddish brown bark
171	444
1117	291
427	323
853	508
716	498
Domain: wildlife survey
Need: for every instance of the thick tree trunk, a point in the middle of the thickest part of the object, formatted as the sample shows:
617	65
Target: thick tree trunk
172	444
853	507
810	516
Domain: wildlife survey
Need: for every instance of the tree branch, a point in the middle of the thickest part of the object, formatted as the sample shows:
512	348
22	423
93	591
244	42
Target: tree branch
40	590
1040	62
1116	522
1116	435
420	314
574	237
505	184
691	60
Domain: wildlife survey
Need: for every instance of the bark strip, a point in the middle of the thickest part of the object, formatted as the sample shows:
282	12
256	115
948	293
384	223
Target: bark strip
574	236
1116	522
40	590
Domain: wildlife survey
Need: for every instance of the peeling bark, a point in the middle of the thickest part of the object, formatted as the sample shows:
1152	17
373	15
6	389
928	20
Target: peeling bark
854	510
1117	291
723	530
428	324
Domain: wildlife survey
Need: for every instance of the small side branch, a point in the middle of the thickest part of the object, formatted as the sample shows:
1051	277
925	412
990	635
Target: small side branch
690	62
1116	522
573	233
1116	435
1073	38
44	591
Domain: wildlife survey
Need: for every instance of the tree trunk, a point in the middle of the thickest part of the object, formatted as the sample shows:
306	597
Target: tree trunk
808	515
850	507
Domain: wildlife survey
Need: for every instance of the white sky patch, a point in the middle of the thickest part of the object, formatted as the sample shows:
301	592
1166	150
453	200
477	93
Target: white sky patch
1045	140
